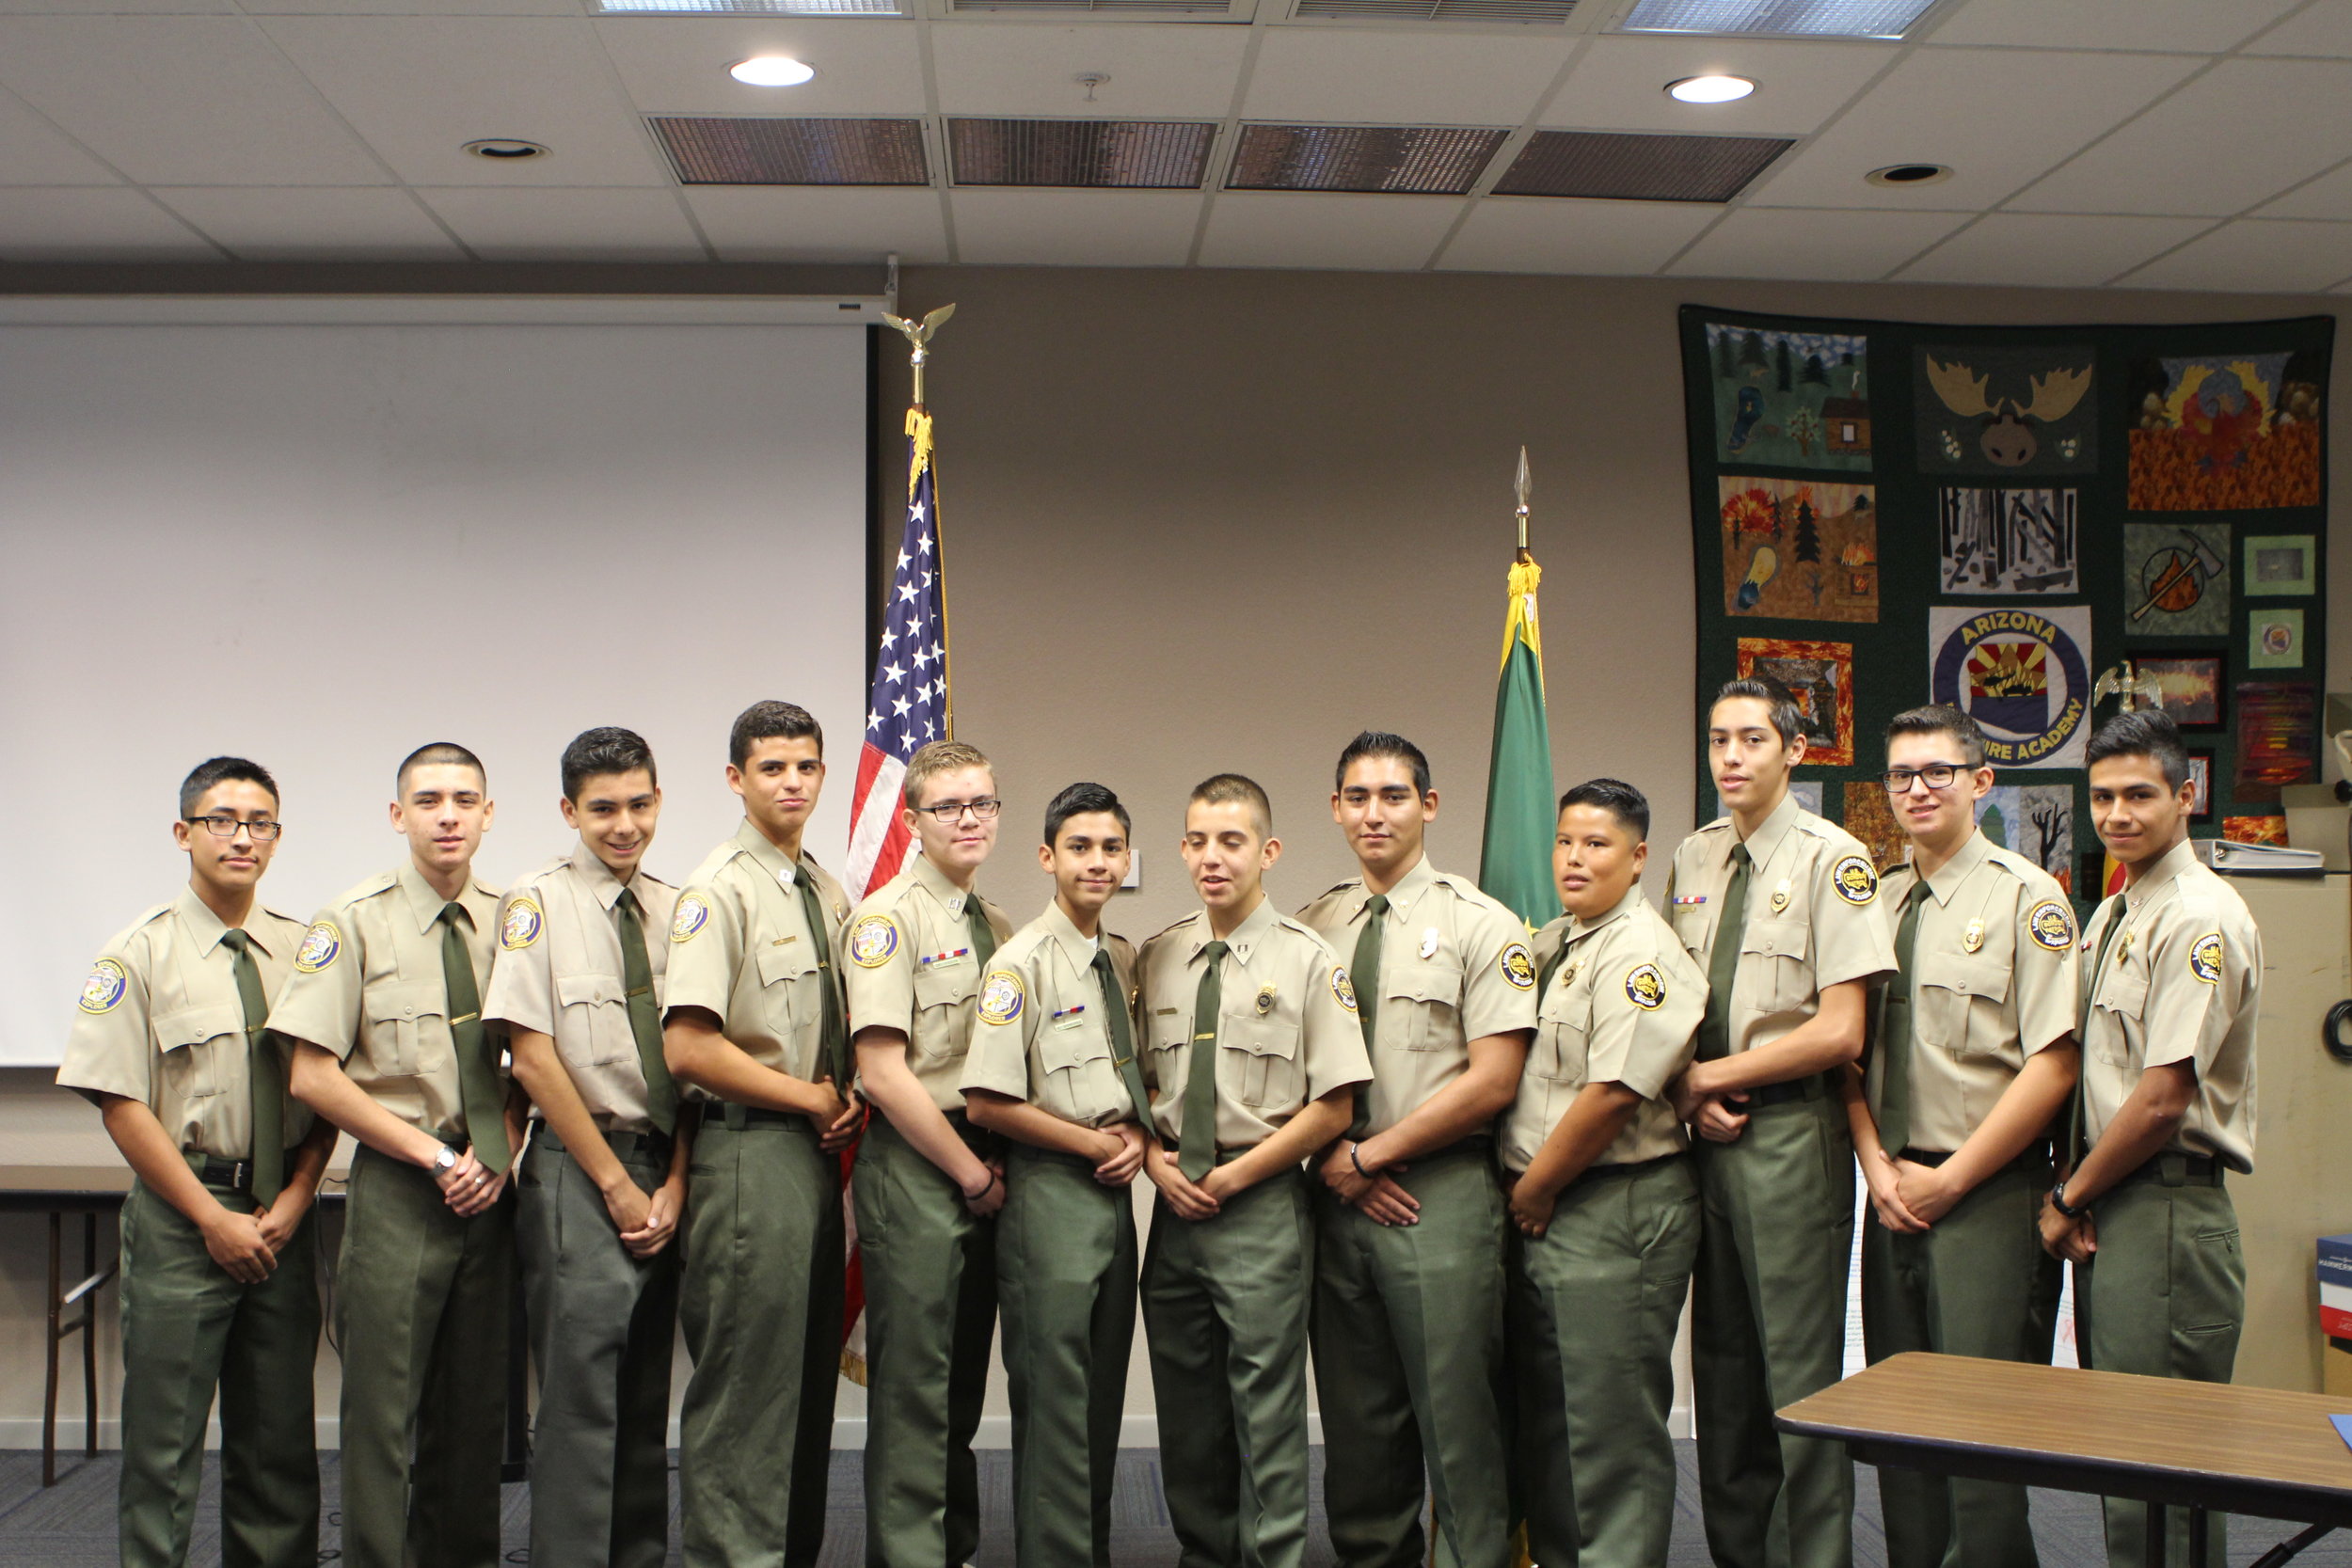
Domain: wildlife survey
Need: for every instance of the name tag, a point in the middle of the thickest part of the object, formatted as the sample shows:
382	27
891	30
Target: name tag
1068	1017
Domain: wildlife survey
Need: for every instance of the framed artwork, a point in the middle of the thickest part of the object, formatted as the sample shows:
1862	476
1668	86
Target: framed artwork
2274	638
2278	739
2280	563
2192	687
1821	677
1799	550
2200	783
2176	579
2255	829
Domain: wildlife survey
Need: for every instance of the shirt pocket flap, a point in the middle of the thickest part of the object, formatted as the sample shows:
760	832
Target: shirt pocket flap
1072	1047
2125	993
1260	1036
946	984
1780	938
1424	982
787	962
1970	976
573	990
194	1026
405	1002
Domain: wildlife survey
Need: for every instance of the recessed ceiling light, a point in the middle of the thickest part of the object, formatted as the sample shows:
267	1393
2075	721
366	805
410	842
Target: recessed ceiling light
505	149
771	71
1910	174
1711	90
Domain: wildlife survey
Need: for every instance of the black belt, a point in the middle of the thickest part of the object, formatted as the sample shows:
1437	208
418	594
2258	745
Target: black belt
2031	1156
744	1118
979	1140
235	1175
1480	1144
1625	1167
653	1146
2179	1170
1808	1088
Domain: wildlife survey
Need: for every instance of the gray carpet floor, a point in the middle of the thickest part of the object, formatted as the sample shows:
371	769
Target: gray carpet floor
73	1523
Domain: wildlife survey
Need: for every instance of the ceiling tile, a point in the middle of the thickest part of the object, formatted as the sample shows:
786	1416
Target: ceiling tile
1345	76
2048	249
2204	26
421	87
1110	229
293	223
1620	84
1830	247
54	224
2328	196
1170	72
180	100
140	8
2241	132
2326	29
1350	234
34	152
541	224
2256	256
1932	108
678	65
1545	235
412	8
811	224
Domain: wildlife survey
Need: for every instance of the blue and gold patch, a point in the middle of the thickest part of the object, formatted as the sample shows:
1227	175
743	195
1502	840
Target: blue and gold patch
102	991
522	924
872	941
1343	987
2204	959
320	946
2052	925
1855	879
1645	988
692	916
1001	997
1517	966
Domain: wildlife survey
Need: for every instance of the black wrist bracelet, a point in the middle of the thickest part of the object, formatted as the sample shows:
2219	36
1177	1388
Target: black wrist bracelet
2058	1202
1358	1160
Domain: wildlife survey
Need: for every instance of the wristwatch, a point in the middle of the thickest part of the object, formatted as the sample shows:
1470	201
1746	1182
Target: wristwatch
2058	1202
445	1162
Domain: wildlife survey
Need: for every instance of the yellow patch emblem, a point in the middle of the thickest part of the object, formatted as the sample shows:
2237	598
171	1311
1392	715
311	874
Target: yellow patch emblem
1517	966
1645	988
872	941
1001	996
522	924
2204	959
2051	923
320	945
1855	879
102	991
1343	987
692	916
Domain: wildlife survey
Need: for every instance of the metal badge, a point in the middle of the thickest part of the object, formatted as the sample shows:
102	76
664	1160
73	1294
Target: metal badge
1265	1001
1973	938
2124	946
1567	975
1429	943
1780	897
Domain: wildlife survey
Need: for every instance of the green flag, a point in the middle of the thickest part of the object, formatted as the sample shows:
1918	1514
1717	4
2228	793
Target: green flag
1514	858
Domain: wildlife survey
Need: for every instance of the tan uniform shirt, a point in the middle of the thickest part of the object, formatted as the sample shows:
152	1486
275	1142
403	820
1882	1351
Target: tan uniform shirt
1811	920
162	1023
1623	1007
367	986
2182	983
1286	1033
1455	967
912	967
1991	983
560	973
741	948
1043	1032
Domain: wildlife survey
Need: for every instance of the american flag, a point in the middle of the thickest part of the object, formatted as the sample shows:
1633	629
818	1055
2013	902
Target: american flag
908	708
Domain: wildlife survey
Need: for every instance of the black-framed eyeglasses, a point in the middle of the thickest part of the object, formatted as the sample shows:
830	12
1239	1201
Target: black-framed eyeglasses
947	811
228	827
1939	775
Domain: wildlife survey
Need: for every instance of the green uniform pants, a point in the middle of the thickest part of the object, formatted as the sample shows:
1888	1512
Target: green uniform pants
188	1328
931	1311
1974	1284
601	1327
1225	1305
2165	1296
1066	1277
1776	1247
762	1311
1594	1302
423	1299
1408	1334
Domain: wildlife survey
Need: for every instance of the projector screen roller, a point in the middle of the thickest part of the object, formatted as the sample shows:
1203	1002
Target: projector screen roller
322	547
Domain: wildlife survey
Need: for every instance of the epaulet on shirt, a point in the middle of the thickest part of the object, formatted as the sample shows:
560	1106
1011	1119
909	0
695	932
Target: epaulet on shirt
530	877
1719	825
1113	940
151	917
383	881
1170	929
2007	859
1299	925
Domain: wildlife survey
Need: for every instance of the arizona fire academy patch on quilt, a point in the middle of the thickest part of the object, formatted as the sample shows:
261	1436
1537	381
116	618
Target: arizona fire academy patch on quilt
2204	959
1001	996
1517	966
522	924
2052	925
1645	988
1855	879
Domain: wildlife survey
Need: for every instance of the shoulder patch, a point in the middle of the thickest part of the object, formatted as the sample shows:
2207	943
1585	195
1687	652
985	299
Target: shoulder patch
522	924
1343	988
321	944
1001	996
1518	967
2204	959
872	941
691	915
1855	879
2051	923
1645	988
102	991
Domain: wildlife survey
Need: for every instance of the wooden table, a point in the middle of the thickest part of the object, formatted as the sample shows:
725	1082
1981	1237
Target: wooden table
2201	1446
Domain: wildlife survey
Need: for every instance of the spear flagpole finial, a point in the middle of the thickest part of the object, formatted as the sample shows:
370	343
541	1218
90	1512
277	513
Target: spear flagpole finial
1522	487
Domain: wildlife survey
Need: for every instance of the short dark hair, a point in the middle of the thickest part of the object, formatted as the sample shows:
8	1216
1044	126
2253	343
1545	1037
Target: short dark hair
1788	718
438	754
1220	789
607	748
1940	719
1620	799
2145	733
770	720
1381	743
221	770
1079	799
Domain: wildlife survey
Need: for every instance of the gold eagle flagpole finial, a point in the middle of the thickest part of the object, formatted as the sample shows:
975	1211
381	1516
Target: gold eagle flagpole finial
918	337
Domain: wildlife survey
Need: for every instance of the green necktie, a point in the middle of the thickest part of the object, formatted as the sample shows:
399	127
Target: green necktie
983	934
1895	1035
479	1093
1363	975
1198	1153
644	1014
265	1074
1552	967
2076	1112
836	1038
1123	1040
1722	959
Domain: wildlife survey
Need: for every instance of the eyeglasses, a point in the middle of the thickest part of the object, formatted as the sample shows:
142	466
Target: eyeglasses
1939	775
228	827
984	809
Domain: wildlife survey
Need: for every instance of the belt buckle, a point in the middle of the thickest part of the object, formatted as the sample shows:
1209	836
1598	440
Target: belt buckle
241	1175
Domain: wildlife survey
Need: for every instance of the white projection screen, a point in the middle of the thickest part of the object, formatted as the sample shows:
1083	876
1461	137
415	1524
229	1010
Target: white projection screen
322	545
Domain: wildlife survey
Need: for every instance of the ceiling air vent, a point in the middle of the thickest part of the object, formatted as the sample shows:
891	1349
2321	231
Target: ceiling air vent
1629	167
749	7
1391	159
1099	8
1121	154
713	150
1812	19
1542	12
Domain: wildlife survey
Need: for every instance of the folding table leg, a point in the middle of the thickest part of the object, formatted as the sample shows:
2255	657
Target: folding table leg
89	1337
2155	1536
2198	1552
56	1314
